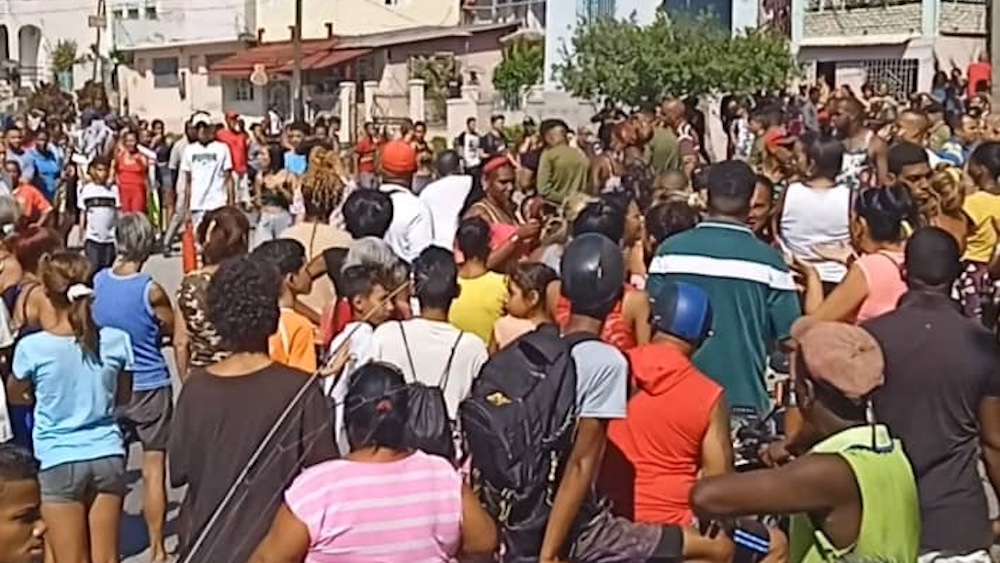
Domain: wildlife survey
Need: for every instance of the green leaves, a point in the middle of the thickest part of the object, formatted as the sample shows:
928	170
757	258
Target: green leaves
632	64
522	67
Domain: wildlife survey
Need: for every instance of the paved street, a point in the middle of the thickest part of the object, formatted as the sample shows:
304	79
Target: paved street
134	542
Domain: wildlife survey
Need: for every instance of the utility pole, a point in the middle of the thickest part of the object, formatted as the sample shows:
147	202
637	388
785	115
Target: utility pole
98	22
993	49
298	111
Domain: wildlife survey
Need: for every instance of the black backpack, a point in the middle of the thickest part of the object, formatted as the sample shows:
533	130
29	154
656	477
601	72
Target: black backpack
519	424
429	428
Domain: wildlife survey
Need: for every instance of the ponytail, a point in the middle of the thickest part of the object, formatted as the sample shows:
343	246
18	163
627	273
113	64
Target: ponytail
66	276
82	320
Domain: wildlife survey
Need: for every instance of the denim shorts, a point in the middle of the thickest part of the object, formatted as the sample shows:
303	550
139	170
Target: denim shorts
81	481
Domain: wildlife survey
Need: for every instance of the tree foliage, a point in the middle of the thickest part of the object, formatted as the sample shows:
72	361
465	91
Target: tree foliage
436	71
522	67
631	63
64	56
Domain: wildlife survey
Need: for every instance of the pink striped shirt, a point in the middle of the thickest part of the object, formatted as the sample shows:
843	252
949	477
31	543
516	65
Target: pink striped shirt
404	511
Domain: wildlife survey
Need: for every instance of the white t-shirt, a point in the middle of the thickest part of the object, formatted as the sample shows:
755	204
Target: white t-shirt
470	150
444	198
210	166
101	204
411	229
360	346
430	345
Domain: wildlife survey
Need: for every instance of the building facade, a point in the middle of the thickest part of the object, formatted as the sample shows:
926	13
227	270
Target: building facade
30	30
899	43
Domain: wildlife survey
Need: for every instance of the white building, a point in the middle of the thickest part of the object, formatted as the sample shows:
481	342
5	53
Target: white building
30	30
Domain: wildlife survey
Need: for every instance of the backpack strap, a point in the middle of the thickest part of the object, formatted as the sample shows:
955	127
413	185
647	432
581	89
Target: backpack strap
406	346
447	366
575	338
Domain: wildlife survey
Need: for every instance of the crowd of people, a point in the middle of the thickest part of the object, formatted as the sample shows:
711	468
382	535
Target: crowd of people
531	349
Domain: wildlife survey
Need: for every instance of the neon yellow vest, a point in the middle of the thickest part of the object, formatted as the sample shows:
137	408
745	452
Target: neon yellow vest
890	515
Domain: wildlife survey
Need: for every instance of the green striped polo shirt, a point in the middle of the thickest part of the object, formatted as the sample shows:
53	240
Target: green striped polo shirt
754	302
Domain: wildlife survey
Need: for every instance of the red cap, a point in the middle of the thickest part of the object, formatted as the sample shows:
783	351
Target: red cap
398	157
232	115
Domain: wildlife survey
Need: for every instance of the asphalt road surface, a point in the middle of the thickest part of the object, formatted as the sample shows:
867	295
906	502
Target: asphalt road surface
134	540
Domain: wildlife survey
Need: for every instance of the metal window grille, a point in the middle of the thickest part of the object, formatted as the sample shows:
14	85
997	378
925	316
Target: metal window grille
900	75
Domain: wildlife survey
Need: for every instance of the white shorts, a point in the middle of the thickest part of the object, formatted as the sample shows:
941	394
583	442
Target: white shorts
981	556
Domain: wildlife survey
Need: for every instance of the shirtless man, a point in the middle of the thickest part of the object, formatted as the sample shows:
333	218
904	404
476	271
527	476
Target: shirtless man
865	154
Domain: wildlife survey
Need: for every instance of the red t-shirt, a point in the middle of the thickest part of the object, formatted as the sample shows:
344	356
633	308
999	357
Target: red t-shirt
654	455
978	72
32	201
366	150
237	143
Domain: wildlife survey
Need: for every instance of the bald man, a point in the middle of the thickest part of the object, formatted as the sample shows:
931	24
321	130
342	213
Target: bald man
674	114
913	126
865	154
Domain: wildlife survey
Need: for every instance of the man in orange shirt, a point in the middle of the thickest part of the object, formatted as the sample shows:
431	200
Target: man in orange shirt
295	342
677	426
238	142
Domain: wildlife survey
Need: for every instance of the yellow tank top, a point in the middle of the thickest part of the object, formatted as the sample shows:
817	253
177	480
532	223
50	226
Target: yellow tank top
480	303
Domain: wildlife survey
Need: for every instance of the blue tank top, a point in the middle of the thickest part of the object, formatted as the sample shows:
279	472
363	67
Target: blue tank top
123	303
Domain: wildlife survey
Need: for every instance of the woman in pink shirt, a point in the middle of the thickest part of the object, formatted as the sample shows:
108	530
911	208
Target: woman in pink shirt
883	219
383	502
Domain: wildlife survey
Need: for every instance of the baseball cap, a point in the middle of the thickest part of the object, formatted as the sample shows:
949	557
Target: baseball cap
230	114
398	157
844	356
731	179
201	119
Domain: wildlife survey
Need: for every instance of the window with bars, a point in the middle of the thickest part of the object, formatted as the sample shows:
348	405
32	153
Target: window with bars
900	75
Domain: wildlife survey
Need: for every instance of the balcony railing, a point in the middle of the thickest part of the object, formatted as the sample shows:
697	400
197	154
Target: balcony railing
825	5
201	25
495	11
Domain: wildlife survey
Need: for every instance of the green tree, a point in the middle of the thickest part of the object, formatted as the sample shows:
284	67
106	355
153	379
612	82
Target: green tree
436	71
522	67
632	63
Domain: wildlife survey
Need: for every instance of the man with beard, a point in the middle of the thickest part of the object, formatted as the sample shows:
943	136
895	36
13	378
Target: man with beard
866	162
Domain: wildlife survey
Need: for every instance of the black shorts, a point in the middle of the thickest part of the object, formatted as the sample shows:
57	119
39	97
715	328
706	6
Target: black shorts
146	419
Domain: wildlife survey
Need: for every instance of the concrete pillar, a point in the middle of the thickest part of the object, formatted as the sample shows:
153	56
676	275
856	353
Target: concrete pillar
348	111
416	98
470	92
798	25
929	17
370	86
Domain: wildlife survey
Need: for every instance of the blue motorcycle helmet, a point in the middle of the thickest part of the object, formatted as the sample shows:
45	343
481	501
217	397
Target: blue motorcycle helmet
682	310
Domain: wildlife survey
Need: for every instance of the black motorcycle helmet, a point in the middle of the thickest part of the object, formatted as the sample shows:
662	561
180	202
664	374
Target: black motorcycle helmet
593	274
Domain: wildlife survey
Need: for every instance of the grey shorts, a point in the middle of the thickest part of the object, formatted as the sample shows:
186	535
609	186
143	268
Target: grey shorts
147	417
612	539
81	481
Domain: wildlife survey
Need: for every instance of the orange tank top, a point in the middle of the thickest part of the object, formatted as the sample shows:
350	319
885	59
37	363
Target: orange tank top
615	330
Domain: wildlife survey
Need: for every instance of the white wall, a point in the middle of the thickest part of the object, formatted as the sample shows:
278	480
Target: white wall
56	20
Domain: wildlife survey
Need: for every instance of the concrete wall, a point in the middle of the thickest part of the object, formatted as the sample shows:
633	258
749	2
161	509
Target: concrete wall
174	104
864	21
479	53
962	18
353	17
850	71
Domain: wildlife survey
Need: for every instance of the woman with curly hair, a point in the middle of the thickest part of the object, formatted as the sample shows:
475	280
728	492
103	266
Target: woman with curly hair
215	435
322	192
223	233
940	205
